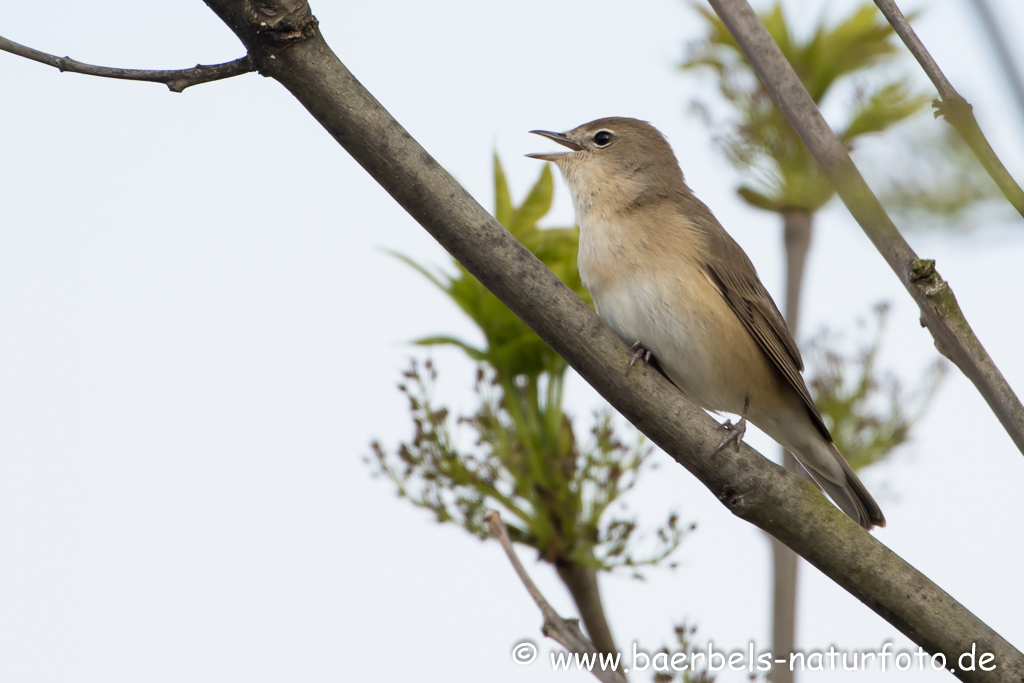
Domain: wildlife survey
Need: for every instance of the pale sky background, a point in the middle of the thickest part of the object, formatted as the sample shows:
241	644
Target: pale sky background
200	334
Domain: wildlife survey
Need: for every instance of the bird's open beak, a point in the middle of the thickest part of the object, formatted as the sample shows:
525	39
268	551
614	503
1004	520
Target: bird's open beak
561	139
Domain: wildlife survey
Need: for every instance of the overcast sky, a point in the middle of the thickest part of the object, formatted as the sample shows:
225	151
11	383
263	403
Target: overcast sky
201	333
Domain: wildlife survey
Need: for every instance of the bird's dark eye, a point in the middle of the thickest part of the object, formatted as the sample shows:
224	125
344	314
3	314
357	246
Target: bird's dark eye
603	137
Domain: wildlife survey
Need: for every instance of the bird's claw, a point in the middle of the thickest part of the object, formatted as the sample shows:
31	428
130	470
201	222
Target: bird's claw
640	352
734	433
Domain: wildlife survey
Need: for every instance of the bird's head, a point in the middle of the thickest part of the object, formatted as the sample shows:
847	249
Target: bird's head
618	156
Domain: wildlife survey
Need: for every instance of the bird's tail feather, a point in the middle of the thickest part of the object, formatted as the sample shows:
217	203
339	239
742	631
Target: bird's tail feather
851	496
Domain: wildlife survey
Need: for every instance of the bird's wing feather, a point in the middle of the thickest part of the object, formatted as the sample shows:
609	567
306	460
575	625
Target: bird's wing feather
737	280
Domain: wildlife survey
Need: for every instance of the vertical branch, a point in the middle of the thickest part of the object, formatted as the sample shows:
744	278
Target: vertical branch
940	312
582	584
797	227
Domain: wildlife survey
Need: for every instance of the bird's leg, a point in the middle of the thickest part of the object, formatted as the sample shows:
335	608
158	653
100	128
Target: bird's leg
640	352
734	433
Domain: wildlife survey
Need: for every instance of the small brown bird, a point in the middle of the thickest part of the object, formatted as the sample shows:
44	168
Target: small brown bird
664	274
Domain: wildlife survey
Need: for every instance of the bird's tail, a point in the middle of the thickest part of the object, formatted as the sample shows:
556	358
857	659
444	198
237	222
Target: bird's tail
851	496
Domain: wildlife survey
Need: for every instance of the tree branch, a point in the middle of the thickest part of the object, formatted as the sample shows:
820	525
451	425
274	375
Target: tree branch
956	110
285	44
563	631
177	80
940	312
581	581
797	229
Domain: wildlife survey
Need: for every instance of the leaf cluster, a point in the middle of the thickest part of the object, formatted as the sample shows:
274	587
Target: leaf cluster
525	459
557	501
934	179
868	412
684	643
760	141
510	346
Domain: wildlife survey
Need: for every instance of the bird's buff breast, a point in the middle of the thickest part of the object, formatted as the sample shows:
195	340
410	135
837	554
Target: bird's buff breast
675	312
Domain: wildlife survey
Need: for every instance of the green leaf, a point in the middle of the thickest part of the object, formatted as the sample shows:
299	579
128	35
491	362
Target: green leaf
535	206
471	351
502	197
755	198
423	271
775	21
511	347
885	107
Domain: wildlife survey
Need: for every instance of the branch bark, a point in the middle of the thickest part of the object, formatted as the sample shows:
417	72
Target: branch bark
176	80
582	584
940	312
565	632
284	42
956	110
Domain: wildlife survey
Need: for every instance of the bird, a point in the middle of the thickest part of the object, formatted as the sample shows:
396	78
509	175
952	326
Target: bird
668	278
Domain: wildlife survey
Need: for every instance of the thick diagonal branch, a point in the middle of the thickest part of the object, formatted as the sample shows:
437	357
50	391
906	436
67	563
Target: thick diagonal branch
286	45
956	110
940	312
177	79
563	631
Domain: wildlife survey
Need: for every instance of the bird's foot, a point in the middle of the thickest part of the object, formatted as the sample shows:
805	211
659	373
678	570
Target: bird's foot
640	352
734	433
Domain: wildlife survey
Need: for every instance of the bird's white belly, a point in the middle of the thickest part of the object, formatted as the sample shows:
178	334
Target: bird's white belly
682	335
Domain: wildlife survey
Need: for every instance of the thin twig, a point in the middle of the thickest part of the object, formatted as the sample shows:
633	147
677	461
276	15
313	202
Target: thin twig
940	311
177	79
954	108
566	632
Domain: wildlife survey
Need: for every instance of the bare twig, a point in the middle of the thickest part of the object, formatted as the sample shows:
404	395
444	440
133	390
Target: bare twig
940	312
177	79
566	632
956	110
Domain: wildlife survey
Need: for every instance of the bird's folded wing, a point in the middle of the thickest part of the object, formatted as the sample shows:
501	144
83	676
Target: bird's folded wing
737	280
